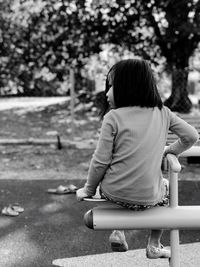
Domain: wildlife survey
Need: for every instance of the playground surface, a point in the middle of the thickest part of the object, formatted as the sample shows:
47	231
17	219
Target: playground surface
189	257
51	228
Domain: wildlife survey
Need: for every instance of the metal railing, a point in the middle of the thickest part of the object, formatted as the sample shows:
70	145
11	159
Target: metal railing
110	216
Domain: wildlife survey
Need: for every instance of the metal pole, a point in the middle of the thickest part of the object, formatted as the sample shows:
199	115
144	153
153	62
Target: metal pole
174	233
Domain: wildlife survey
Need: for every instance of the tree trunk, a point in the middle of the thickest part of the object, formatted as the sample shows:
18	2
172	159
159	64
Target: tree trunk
179	100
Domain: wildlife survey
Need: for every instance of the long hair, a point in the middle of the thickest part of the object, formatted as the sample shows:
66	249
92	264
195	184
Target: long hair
133	85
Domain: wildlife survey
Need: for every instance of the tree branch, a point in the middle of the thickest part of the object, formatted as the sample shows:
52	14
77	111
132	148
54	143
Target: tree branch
154	24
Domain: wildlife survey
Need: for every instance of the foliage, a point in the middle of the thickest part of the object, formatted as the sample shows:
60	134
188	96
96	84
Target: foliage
156	29
177	29
41	39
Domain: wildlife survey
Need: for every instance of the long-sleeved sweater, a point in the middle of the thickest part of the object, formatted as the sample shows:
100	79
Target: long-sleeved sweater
128	156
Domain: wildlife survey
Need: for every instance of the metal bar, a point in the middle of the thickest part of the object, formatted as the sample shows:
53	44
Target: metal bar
174	234
174	164
174	243
111	217
173	217
173	188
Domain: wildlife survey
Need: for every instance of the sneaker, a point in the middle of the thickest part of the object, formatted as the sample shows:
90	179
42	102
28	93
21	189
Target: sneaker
157	252
118	241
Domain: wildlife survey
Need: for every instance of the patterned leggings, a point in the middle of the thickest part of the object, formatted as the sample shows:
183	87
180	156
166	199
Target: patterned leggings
135	207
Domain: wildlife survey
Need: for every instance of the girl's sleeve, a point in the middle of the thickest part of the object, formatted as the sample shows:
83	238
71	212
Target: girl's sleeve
102	156
187	134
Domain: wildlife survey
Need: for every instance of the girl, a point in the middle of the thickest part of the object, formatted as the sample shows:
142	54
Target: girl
127	161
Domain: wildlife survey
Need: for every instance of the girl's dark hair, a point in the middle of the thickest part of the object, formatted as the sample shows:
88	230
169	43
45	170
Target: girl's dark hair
133	85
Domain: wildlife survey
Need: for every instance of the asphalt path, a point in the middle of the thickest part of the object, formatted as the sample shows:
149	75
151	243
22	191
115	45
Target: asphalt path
30	103
51	227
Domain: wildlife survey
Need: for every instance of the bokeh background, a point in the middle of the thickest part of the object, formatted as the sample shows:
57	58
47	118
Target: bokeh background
42	40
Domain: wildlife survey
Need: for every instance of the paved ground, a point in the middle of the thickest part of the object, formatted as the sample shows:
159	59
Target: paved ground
189	257
29	103
51	226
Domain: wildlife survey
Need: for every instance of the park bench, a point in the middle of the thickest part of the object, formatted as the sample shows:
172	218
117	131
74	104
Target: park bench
56	139
193	120
109	216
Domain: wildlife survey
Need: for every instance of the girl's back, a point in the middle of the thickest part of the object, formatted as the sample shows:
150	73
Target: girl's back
139	139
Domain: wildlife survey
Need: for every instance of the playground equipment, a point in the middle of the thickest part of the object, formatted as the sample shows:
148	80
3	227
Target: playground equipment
111	216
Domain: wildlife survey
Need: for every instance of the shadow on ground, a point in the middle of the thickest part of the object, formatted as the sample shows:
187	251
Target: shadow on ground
51	226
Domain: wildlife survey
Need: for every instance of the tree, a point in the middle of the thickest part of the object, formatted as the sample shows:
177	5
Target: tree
177	32
154	29
41	39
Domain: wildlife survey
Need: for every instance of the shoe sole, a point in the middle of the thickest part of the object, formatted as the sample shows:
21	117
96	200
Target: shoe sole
157	257
118	247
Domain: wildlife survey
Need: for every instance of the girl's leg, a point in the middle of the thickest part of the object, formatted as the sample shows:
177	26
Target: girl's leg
117	241
155	249
154	239
117	238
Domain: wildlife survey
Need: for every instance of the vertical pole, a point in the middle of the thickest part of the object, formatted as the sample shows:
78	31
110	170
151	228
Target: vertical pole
174	234
72	95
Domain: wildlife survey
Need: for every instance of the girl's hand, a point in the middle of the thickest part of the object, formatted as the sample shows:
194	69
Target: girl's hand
81	194
166	151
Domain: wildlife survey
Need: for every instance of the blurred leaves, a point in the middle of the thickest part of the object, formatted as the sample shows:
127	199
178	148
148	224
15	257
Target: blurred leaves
41	39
